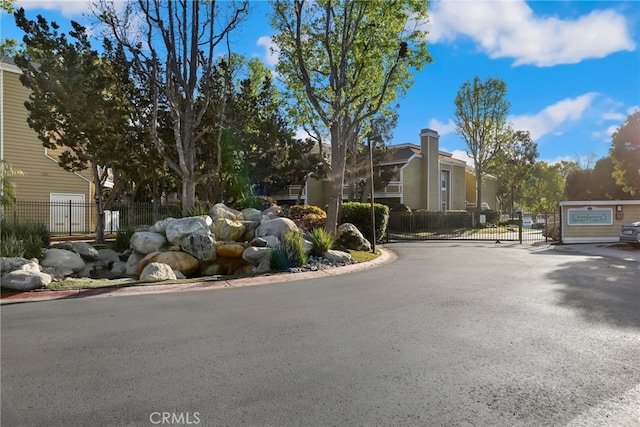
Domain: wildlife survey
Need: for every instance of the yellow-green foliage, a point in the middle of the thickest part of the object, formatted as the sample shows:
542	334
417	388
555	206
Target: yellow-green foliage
322	241
307	216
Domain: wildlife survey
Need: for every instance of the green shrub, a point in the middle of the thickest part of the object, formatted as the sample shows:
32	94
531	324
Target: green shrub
322	241
123	237
23	239
307	216
359	214
198	209
257	202
289	254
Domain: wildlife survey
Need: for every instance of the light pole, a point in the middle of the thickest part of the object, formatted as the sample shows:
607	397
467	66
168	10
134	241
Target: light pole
373	211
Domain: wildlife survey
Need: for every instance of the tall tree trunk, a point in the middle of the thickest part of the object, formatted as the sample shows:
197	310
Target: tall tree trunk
188	194
338	162
99	207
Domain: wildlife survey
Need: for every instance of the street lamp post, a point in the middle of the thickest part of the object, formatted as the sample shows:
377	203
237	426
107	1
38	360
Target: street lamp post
373	211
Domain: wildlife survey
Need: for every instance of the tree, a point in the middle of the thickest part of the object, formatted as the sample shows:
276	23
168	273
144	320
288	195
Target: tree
544	189
480	118
595	184
625	153
75	103
343	61
173	49
7	187
513	167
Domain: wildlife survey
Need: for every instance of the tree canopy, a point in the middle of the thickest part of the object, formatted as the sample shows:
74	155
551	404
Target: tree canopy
343	61
625	153
173	47
481	110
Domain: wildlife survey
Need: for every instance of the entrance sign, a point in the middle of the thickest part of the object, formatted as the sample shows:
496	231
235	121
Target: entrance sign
590	216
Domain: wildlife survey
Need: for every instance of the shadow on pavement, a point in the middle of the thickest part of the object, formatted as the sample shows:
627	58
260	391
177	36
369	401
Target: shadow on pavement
601	290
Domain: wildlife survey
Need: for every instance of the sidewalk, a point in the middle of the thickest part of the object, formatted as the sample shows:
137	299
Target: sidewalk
611	250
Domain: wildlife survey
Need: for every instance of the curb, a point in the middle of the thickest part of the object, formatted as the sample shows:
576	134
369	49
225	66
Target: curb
386	256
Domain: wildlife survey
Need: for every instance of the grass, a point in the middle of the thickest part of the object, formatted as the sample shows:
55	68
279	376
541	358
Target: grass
364	256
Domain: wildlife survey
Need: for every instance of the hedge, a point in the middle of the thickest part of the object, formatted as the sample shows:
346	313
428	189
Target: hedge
359	214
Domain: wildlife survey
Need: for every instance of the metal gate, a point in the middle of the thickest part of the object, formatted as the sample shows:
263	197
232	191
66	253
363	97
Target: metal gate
493	226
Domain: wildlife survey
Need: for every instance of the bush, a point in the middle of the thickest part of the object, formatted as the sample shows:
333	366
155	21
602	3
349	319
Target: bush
198	209
257	202
322	241
359	214
23	239
307	216
123	239
289	254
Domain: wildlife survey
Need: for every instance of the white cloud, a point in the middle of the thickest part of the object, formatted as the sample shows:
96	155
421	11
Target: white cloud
613	116
442	128
558	160
68	8
509	29
462	155
554	116
633	109
272	53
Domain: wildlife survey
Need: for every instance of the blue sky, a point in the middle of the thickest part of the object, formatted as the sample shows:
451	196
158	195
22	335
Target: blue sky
572	67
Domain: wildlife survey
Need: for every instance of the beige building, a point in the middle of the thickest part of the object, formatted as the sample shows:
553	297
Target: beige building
43	180
598	221
424	178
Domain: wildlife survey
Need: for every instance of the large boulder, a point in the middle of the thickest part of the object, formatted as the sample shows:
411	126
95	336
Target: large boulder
9	264
230	249
132	263
277	227
272	212
225	266
251	214
349	237
250	230
220	210
62	258
183	227
146	242
161	226
228	230
109	255
86	251
201	246
337	256
185	263
157	271
23	280
255	255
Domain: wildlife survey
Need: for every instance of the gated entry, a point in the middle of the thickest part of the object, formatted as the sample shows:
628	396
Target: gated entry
424	225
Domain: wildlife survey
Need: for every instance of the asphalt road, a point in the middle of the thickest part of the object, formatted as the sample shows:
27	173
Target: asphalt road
450	334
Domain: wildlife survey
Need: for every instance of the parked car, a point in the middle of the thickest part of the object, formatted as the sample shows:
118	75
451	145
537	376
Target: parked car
630	233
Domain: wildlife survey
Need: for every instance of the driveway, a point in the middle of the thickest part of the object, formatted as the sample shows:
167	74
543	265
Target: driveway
455	334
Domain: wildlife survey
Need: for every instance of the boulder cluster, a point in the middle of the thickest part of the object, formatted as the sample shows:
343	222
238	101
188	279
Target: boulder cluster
224	242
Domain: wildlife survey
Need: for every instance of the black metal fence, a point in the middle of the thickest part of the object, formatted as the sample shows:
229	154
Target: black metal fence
493	226
75	218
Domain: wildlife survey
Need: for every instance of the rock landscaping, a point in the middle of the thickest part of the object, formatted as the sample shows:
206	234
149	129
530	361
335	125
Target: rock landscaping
224	242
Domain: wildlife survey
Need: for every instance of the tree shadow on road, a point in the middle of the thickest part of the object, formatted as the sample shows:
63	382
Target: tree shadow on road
603	290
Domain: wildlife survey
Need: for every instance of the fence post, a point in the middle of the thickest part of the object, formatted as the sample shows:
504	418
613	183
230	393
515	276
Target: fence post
520	227
70	220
